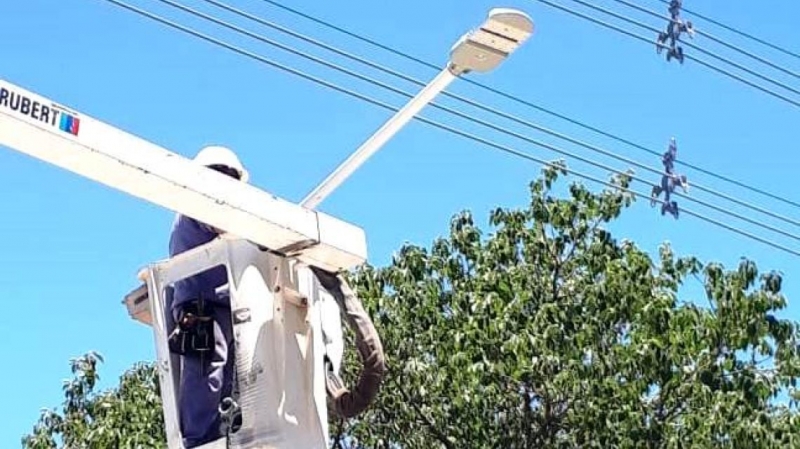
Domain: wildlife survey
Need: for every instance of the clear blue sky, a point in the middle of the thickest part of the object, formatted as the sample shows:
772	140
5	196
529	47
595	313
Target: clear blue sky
71	247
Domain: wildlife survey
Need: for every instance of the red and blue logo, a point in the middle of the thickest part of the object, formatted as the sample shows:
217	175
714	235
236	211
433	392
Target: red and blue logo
69	123
53	115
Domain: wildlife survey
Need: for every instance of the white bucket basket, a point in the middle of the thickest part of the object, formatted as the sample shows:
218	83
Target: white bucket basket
284	323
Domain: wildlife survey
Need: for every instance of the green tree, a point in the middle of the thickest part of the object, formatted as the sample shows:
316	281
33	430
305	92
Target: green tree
545	333
127	416
550	333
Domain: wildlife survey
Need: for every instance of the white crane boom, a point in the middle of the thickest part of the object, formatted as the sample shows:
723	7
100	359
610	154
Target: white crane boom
41	128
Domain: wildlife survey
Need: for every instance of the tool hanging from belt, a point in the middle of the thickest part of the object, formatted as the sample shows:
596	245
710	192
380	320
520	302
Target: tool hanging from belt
194	330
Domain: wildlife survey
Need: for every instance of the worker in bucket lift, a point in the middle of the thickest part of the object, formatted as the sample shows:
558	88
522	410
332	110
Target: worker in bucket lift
203	333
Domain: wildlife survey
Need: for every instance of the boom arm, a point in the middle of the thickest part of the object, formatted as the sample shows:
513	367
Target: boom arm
41	128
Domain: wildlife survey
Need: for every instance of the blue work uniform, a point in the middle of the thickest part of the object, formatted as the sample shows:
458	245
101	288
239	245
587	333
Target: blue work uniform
204	381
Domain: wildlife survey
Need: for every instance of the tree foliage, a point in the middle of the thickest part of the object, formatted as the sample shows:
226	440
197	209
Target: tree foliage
547	332
551	333
127	416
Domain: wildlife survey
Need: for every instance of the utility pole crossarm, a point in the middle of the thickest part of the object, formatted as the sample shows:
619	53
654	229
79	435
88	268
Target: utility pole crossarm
41	128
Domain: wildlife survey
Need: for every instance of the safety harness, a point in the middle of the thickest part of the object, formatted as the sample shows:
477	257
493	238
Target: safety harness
194	336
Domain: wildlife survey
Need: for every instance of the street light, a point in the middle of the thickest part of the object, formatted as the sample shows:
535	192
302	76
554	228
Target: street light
480	50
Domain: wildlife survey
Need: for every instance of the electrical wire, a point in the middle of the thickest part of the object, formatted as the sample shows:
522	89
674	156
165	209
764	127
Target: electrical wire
526	103
285	30
690	45
713	38
490	125
739	32
644	39
430	122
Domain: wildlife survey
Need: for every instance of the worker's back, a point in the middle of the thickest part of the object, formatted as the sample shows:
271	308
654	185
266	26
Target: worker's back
188	233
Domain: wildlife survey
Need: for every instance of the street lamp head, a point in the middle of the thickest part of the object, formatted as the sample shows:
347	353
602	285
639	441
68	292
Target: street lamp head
483	49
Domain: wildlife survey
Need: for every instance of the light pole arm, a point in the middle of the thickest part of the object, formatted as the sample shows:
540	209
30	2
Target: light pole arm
378	139
480	50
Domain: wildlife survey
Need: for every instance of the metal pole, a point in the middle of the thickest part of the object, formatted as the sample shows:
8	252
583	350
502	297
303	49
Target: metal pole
378	139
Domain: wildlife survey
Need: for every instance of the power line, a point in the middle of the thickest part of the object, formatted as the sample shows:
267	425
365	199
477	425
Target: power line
752	55
527	103
644	39
439	125
739	32
691	45
713	38
490	125
473	103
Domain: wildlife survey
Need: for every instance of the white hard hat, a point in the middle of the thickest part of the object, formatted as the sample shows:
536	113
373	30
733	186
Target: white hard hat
219	155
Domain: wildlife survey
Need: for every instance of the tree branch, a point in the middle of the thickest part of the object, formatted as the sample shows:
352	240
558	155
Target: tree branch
425	419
